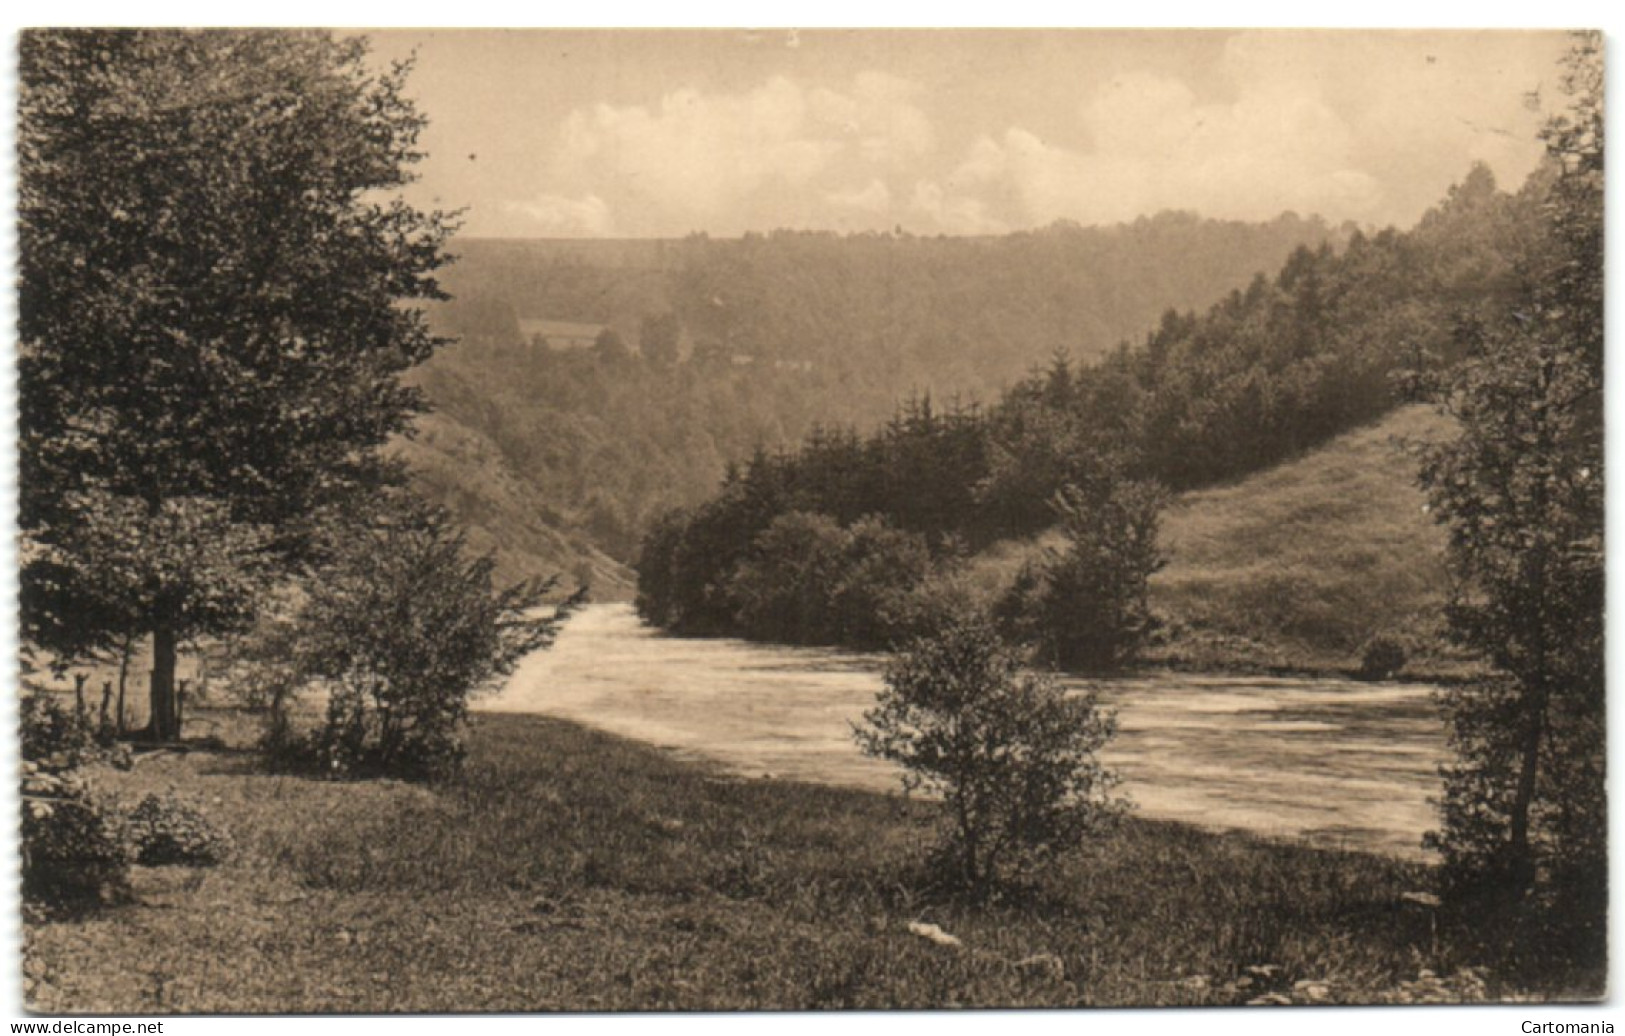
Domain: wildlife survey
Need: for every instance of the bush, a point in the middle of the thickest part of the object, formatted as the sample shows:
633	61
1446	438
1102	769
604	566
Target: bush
946	596
1013	756
168	832
807	580
401	628
783	590
74	850
1382	657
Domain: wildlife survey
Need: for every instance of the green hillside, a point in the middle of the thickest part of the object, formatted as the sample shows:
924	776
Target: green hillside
1301	564
1298	566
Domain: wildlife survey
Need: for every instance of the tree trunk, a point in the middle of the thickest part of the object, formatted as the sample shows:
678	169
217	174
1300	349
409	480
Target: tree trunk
123	674
164	724
1522	857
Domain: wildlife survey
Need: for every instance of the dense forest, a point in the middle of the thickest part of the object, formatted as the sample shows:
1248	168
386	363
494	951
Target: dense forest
1335	338
710	348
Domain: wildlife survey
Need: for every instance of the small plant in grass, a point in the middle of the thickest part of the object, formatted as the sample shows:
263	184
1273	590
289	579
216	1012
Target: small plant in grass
52	732
1013	756
74	847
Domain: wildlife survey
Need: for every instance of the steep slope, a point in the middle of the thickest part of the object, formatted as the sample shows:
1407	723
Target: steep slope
1296	567
1302	564
503	514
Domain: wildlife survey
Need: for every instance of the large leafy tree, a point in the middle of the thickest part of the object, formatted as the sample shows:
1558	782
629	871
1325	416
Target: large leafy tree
1521	491
213	259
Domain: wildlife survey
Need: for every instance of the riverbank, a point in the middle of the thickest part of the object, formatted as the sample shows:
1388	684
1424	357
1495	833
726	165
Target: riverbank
1347	764
568	869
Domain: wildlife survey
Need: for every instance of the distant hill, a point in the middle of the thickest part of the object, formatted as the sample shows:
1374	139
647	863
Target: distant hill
558	457
894	314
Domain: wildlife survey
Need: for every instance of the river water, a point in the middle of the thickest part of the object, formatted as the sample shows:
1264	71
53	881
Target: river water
1333	762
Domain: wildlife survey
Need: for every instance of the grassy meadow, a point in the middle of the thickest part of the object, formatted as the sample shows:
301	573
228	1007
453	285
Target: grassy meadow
1297	567
569	870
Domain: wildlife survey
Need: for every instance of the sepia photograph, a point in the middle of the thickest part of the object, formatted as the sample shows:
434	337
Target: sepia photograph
624	520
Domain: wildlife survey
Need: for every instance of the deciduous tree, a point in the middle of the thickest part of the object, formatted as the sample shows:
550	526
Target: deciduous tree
1521	492
212	261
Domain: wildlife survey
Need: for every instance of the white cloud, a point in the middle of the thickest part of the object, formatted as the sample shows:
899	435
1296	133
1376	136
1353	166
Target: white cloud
748	158
878	117
1153	145
695	152
1365	126
986	163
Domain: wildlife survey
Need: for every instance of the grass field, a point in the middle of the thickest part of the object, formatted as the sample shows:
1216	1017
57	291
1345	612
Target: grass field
1295	568
571	870
1300	565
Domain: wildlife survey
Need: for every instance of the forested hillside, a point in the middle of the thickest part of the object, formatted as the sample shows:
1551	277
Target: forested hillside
885	313
1336	338
714	348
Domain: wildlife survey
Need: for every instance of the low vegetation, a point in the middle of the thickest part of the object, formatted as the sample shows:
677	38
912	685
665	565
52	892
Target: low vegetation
397	629
570	870
1013	757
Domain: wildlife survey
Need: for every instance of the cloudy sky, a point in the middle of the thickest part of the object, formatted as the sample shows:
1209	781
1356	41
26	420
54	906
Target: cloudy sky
659	133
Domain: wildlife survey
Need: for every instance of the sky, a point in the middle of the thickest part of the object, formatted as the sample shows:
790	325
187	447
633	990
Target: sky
660	133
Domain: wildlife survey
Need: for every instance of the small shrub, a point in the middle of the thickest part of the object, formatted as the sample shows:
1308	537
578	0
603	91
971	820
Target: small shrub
401	628
168	832
808	580
1013	755
1382	657
75	851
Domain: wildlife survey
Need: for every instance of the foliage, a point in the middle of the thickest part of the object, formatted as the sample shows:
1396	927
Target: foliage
210	340
943	597
1085	606
610	349
401	628
659	338
53	734
165	831
1012	754
1382	656
74	849
784	587
1263	375
807	580
1521	492
787	333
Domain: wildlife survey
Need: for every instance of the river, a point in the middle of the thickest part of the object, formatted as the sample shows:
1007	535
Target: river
1332	762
